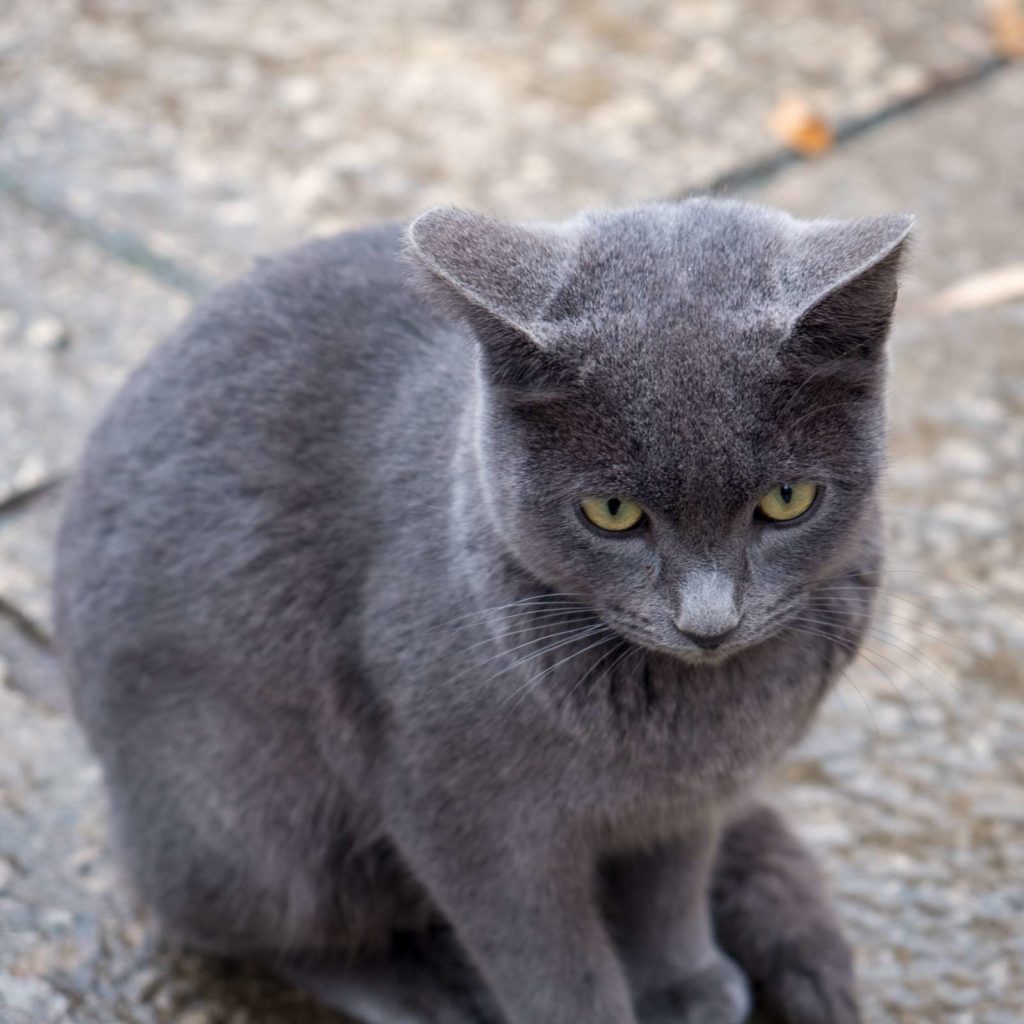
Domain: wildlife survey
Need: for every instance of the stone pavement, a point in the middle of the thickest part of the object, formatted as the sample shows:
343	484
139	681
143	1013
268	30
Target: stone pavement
147	151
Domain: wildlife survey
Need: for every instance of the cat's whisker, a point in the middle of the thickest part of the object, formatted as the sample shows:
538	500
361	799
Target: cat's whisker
570	636
922	659
917	600
882	591
524	603
909	614
630	650
519	602
907	621
845	675
909	617
543	638
860	693
580	618
780	615
905	647
599	661
577	634
639	653
533	615
937	577
482	614
866	652
807	648
531	683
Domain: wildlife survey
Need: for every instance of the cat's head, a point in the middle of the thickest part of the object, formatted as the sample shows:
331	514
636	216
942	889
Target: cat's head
682	409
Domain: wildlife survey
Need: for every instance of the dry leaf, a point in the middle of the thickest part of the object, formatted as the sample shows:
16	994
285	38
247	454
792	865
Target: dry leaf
1006	18
796	123
989	288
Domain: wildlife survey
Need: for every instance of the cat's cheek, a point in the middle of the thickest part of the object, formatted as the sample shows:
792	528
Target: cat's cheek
548	548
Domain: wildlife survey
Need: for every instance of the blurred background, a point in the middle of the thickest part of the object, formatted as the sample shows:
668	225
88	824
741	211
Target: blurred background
149	150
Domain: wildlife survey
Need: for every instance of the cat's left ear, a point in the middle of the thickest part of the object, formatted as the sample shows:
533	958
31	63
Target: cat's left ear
498	278
848	276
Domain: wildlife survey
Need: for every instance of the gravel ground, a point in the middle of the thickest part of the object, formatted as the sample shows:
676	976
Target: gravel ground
213	133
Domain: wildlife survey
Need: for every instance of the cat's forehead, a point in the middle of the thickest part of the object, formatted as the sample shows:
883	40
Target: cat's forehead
677	360
698	257
668	425
680	388
676	314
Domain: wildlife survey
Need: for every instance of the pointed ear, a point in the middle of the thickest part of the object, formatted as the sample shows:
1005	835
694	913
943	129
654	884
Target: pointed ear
848	274
498	278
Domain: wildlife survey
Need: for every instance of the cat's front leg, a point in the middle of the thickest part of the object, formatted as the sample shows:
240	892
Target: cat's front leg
658	905
523	904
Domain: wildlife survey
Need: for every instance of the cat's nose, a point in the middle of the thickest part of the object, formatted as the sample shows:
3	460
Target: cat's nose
709	643
707	608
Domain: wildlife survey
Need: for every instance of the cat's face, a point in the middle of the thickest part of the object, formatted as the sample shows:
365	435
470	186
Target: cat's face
681	416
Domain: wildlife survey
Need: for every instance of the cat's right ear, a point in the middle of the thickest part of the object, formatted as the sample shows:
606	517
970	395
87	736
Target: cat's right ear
498	278
848	273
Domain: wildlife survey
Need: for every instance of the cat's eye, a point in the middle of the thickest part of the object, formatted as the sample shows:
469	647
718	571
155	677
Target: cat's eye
613	514
788	501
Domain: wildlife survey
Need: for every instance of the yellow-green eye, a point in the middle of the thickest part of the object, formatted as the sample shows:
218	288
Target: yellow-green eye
614	514
787	501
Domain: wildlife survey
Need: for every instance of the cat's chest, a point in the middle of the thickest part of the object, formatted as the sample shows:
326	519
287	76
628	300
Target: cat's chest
628	753
658	744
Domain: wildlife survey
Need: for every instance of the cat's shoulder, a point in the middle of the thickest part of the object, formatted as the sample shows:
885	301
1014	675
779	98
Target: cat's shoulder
346	262
346	289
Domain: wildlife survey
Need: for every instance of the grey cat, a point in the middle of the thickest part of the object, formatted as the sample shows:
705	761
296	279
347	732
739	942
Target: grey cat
436	596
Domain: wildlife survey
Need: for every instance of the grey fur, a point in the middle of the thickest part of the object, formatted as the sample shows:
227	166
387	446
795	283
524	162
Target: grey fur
308	599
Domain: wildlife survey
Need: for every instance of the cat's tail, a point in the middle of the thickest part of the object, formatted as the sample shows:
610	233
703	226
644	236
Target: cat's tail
773	916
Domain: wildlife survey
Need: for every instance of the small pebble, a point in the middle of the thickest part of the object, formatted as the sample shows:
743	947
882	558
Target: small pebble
47	333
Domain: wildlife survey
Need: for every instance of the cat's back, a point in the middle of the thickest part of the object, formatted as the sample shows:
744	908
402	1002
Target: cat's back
240	481
333	323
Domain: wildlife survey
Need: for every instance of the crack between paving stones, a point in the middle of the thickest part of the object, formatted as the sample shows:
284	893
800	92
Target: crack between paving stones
25	625
16	500
759	172
122	245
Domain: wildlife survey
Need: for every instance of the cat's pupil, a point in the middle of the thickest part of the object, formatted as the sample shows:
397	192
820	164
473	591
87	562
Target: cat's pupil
786	493
614	505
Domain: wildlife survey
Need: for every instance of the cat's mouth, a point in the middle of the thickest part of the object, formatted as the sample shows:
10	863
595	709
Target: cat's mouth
677	646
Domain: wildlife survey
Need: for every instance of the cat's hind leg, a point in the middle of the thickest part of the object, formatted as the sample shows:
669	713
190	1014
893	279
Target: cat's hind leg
420	979
772	915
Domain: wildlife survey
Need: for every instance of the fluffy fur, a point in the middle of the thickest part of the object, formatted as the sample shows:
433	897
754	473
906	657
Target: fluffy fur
376	704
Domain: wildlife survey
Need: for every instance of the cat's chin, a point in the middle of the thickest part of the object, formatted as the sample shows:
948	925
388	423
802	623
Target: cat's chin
703	658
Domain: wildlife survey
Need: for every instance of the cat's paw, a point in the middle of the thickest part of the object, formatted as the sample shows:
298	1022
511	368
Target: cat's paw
718	994
813	983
